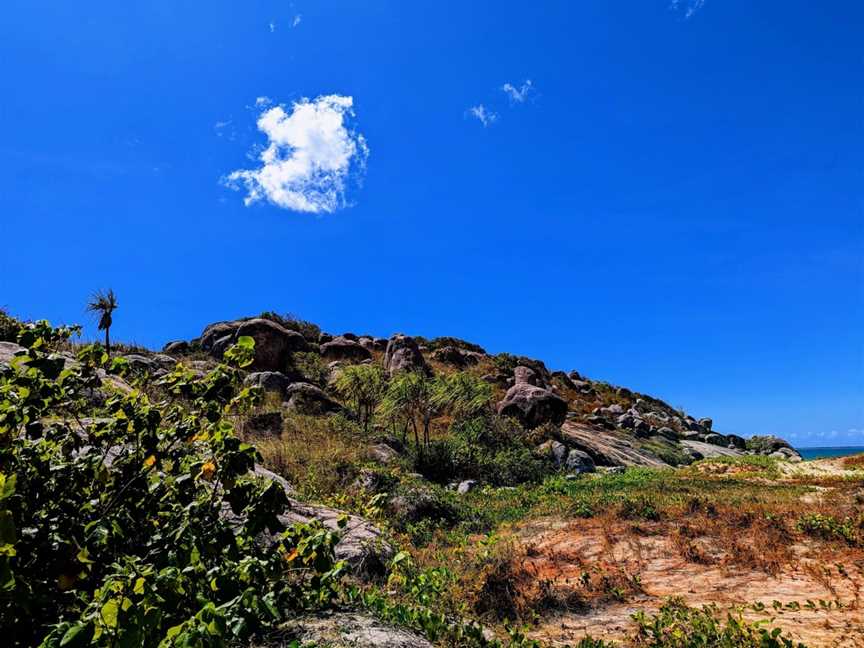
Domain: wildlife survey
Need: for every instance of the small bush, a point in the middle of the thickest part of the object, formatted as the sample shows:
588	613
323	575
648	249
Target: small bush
638	509
9	327
308	330
445	341
489	449
156	546
312	367
678	626
827	527
507	362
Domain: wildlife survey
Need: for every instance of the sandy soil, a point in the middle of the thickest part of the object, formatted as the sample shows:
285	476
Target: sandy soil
559	555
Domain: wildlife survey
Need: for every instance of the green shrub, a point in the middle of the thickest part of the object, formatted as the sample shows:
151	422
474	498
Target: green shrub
640	508
827	527
311	366
445	341
671	453
679	626
136	522
490	449
9	327
507	362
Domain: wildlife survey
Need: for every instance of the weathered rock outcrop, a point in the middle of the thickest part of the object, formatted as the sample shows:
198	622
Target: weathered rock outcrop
304	398
710	450
772	446
9	350
403	354
527	376
533	406
178	347
272	381
361	544
607	448
341	348
579	462
351	630
456	356
274	344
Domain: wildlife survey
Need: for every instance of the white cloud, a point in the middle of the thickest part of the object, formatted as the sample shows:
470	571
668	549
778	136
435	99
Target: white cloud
689	7
486	116
520	94
310	157
272	26
296	20
261	102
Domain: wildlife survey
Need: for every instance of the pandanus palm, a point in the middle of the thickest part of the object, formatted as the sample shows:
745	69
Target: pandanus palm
104	304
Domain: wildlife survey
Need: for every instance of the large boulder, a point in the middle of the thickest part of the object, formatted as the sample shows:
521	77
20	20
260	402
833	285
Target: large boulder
701	449
341	348
608	448
271	381
9	350
533	406
456	356
787	453
770	444
217	331
403	354
177	347
554	451
361	544
139	364
383	454
274	344
716	439
736	442
528	376
350	630
303	398
579	462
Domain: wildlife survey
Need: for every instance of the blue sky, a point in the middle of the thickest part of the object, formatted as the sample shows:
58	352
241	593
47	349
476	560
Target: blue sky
674	202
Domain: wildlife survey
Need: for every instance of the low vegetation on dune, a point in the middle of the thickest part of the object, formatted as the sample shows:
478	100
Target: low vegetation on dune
269	484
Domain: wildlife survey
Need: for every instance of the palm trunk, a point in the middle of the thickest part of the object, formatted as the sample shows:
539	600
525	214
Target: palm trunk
416	436
107	342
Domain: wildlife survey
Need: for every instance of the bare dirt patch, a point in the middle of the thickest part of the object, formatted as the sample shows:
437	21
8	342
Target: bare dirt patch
592	575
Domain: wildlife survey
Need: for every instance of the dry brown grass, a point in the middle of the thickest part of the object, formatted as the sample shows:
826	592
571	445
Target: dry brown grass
855	462
318	455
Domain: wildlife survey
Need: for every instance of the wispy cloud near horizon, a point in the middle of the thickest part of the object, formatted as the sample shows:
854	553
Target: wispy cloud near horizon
310	157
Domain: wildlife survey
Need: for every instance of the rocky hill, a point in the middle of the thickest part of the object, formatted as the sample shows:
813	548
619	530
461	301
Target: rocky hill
431	491
594	424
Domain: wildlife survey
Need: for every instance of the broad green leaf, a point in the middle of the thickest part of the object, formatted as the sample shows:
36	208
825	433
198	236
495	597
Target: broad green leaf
109	613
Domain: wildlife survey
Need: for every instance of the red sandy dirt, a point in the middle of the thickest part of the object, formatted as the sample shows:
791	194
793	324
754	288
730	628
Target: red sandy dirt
591	568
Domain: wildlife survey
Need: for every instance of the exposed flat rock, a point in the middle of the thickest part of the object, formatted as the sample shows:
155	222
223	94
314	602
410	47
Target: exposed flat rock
608	448
9	350
350	630
709	450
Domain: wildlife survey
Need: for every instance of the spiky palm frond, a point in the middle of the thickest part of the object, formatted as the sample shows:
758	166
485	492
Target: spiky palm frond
104	303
